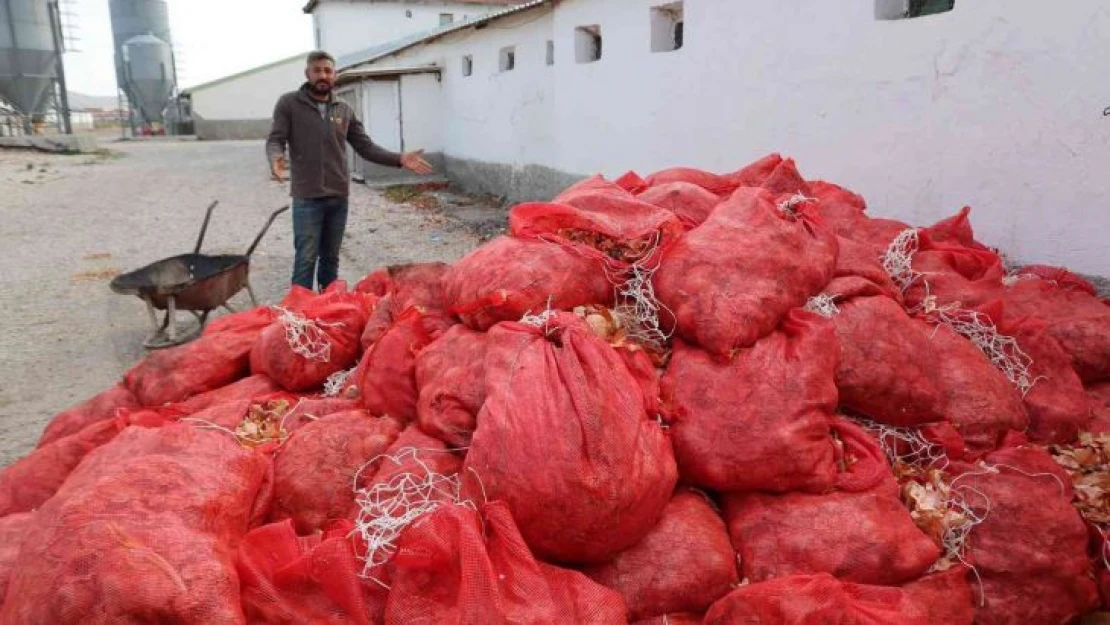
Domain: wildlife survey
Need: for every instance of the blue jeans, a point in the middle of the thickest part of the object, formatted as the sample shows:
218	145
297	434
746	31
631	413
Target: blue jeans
318	225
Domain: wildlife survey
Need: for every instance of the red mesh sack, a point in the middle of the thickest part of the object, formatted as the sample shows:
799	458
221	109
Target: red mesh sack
689	202
100	407
605	227
456	567
592	185
31	481
256	319
631	181
760	422
785	180
1098	396
598	476
882	372
289	580
979	400
671	619
756	173
301	350
177	373
732	279
411	453
507	278
451	376
860	533
941	598
857	260
838	199
1057	276
722	186
1080	322
314	470
12	530
144	530
1031	549
386	376
684	564
956	230
381	318
1057	405
247	388
415	284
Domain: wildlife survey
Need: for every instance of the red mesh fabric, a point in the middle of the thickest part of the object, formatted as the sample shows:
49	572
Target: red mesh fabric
722	186
1080	322
882	373
592	185
642	367
979	400
144	531
597	479
755	173
1059	277
415	284
314	470
1098	396
339	317
631	181
689	202
507	278
859	533
31	481
451	376
1057	405
205	364
97	408
684	564
835	197
760	422
616	222
859	261
13	528
256	319
248	388
671	619
785	180
730	281
386	376
453	568
956	230
290	580
1031	551
381	318
431	455
941	598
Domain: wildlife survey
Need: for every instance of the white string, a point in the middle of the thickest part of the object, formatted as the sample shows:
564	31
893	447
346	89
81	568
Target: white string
823	304
387	509
337	381
898	259
1001	350
790	205
306	337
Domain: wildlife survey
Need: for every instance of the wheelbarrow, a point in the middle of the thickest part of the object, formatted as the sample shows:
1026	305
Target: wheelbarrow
196	282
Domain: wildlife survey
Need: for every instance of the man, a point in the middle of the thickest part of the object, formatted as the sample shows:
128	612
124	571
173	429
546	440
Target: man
316	127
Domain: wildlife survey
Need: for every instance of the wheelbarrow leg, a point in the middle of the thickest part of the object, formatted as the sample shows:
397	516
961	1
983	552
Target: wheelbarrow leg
153	320
250	291
171	318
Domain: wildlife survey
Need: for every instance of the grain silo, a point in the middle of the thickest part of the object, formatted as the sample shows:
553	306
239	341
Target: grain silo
28	55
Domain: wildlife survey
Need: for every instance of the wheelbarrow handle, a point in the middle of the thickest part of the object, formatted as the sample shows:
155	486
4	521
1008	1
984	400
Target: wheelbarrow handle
204	226
266	227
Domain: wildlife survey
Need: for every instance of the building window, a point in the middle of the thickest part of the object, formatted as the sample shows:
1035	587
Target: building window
446	18
904	9
408	13
468	65
666	27
508	59
587	44
550	52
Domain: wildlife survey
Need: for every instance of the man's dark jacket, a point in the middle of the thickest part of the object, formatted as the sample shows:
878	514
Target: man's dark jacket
318	154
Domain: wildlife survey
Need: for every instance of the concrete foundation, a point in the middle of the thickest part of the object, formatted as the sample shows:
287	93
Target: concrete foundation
61	144
231	129
530	183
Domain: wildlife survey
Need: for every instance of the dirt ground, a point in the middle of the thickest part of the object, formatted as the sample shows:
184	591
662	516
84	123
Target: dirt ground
71	223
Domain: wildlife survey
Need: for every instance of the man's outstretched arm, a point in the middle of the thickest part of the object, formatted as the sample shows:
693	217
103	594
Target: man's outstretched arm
278	139
367	149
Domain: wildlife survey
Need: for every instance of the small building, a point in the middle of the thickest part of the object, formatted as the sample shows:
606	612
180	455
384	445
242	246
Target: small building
922	106
241	106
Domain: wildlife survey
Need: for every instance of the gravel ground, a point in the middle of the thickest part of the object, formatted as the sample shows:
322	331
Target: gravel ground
70	223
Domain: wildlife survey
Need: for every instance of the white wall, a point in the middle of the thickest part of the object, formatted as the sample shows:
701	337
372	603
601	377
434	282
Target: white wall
997	104
344	27
251	96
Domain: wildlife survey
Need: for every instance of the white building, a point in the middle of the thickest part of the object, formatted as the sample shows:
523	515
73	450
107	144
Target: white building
996	103
241	106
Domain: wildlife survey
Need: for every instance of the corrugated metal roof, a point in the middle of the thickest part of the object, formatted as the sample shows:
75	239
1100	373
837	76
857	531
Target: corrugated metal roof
354	75
370	55
308	8
248	72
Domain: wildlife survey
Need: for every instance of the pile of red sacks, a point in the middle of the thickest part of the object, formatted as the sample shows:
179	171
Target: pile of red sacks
686	398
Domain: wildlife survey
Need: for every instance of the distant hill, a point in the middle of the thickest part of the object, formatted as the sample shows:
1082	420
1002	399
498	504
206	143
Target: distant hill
82	101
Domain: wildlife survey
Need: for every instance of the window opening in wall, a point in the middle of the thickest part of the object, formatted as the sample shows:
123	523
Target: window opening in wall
467	65
508	59
446	18
550	52
904	9
666	27
408	13
587	44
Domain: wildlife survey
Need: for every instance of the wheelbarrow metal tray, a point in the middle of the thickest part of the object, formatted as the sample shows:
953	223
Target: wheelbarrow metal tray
196	281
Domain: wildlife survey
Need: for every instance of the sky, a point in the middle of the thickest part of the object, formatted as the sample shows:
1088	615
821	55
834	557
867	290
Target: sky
212	38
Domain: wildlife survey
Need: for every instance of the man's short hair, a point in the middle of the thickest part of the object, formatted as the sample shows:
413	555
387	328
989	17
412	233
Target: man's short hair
319	55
